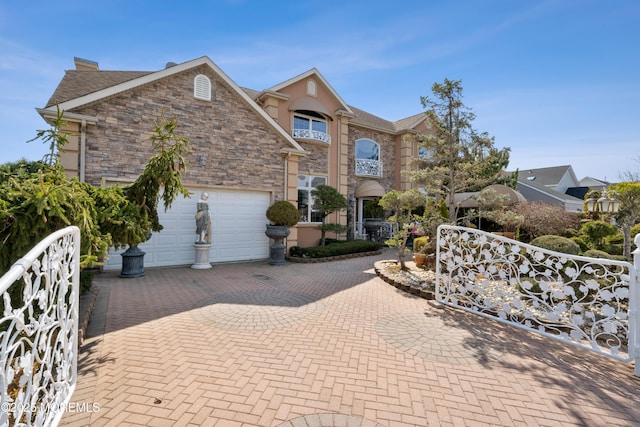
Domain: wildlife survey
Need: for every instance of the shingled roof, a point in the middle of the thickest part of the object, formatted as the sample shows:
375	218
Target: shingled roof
369	120
76	83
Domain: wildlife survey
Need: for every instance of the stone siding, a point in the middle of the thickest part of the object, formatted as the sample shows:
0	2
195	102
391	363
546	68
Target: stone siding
388	156
316	162
240	149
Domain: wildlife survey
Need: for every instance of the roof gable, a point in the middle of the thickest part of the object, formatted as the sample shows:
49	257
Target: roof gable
316	75
112	83
550	176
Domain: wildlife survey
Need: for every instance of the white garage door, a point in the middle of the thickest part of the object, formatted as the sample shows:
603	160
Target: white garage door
238	224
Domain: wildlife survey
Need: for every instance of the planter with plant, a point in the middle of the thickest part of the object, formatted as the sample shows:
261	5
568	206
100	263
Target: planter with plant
282	215
134	208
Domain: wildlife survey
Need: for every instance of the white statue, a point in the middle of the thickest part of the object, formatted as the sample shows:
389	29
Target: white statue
203	220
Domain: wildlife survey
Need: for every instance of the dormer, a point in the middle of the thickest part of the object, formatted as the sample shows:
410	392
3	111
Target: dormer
311	107
310	120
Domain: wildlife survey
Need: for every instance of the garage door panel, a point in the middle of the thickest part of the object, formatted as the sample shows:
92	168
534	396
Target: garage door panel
238	222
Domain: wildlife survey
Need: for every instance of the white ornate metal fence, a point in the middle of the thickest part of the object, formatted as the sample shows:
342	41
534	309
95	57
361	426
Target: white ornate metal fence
588	302
39	331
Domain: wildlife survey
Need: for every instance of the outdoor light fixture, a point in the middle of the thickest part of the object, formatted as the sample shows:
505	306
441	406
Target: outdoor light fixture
606	204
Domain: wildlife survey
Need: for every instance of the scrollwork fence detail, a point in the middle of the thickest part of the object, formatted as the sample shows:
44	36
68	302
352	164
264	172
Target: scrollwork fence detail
39	331
587	302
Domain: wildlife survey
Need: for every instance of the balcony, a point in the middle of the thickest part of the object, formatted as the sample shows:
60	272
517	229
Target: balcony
312	135
366	167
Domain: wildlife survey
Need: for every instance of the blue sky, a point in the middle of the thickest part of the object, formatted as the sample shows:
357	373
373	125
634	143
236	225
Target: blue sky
557	81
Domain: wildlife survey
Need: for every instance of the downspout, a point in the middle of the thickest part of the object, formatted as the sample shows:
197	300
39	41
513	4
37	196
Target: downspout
286	175
83	148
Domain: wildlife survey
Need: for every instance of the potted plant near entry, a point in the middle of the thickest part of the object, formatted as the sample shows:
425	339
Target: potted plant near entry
282	215
419	247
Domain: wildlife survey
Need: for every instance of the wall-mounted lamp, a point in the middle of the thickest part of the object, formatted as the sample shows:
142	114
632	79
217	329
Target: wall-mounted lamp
202	159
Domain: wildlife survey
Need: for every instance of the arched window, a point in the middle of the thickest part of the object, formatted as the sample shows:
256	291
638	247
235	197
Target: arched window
368	161
202	87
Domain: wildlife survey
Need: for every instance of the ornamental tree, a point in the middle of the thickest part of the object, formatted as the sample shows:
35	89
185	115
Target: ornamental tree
459	158
628	194
402	203
327	200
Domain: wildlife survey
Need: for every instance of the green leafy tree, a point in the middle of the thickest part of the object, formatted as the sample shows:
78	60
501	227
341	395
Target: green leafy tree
403	204
594	234
55	137
327	200
37	199
160	180
497	208
628	215
458	158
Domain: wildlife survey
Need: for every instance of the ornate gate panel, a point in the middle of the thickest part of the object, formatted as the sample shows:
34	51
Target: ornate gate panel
587	302
39	331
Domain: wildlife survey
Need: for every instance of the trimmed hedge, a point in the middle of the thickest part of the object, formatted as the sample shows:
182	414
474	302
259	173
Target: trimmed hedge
595	253
339	247
557	244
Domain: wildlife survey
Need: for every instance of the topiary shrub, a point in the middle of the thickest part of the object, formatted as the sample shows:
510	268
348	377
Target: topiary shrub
420	243
283	213
557	244
594	253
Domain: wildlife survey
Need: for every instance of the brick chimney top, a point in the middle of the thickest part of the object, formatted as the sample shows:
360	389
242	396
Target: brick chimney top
85	64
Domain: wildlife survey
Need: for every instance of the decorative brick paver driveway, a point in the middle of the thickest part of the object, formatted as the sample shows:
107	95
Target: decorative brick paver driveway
324	345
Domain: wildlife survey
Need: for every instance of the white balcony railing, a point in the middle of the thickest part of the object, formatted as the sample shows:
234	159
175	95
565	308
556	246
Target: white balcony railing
366	167
312	134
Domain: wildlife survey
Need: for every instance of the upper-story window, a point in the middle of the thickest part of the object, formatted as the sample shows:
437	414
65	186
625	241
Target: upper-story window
202	87
310	125
368	161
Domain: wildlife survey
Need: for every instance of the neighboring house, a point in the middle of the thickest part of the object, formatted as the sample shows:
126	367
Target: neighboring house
556	185
248	149
594	184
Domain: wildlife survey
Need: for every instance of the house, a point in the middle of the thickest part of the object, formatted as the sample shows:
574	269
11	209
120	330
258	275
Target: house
248	149
555	185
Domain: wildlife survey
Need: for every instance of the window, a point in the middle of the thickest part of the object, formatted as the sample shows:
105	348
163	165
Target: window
368	161
306	183
310	125
202	87
424	153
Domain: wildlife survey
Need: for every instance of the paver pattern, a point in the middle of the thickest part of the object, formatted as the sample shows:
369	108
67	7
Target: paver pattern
329	344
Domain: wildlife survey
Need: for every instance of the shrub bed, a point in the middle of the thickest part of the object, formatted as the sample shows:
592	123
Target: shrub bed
557	244
335	248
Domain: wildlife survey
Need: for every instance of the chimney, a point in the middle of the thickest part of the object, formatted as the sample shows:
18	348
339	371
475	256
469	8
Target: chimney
85	64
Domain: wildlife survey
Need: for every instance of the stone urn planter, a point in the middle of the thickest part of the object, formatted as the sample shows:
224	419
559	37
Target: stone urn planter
277	249
282	214
132	262
373	226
